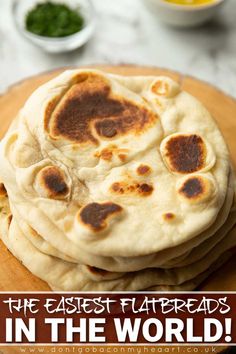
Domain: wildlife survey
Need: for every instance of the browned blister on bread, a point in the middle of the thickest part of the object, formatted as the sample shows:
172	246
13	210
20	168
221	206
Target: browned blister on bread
96	215
143	170
89	110
134	188
52	183
111	151
3	192
196	188
169	216
185	153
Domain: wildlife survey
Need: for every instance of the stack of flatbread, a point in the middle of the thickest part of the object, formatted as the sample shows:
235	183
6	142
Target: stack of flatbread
116	183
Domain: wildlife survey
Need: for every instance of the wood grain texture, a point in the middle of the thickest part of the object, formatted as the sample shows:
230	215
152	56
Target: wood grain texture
13	275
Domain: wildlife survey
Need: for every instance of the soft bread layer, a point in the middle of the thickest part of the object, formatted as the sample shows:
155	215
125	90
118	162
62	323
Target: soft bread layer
68	276
195	254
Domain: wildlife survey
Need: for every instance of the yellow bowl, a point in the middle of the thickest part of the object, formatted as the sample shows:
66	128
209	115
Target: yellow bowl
184	15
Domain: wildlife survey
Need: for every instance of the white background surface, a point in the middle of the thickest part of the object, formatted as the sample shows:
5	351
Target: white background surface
128	33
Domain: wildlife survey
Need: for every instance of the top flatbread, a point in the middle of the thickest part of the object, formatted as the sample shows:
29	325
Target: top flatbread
121	167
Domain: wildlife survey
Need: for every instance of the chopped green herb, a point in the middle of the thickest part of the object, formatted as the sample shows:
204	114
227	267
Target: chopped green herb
51	19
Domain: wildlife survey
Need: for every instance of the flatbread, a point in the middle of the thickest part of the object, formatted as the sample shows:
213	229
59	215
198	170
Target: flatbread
114	151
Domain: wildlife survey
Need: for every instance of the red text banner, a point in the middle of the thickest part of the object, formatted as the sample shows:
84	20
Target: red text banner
118	318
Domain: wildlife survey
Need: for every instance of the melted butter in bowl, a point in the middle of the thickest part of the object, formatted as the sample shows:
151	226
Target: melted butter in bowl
191	2
184	13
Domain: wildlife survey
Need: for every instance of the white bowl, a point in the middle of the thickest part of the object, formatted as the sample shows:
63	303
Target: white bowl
56	45
183	15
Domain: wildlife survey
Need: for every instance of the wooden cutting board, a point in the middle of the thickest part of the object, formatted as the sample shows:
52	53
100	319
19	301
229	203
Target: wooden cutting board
13	275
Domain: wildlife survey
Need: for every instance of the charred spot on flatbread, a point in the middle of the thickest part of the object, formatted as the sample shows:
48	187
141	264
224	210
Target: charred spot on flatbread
145	188
52	182
196	188
89	106
160	88
143	170
169	216
122	157
110	151
125	188
105	154
96	215
164	88
3	191
192	188
185	153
